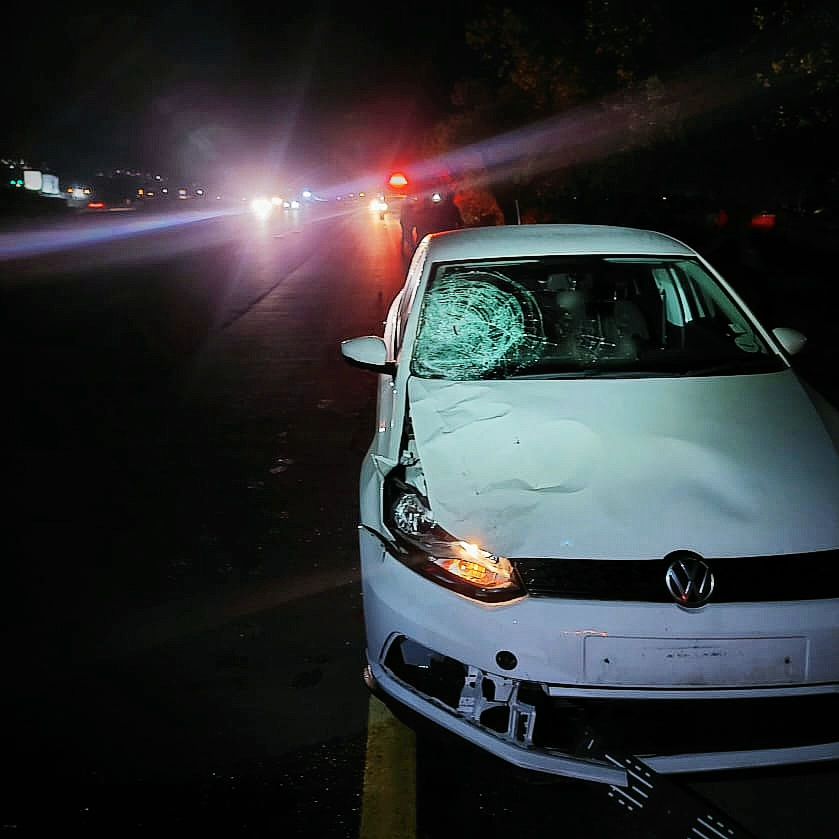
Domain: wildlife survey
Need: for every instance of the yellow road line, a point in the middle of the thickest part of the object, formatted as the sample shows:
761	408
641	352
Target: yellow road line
389	805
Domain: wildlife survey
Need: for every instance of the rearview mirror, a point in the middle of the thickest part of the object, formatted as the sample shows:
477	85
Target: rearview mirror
790	339
369	353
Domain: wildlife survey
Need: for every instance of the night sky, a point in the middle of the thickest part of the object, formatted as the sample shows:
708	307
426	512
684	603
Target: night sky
198	89
228	94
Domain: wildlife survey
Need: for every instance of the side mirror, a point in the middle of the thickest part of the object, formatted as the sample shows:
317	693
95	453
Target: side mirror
369	353
790	339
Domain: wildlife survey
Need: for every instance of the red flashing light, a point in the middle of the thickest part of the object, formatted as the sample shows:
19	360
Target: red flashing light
96	205
763	221
398	180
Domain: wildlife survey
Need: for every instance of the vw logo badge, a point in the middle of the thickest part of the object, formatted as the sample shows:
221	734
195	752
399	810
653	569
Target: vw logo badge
689	579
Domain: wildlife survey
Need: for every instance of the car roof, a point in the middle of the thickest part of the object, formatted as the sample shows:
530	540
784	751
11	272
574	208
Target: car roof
549	240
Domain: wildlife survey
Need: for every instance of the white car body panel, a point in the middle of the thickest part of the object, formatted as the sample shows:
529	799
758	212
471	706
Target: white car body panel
550	636
629	468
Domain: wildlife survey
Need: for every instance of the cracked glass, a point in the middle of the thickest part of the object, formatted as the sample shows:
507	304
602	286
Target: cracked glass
583	316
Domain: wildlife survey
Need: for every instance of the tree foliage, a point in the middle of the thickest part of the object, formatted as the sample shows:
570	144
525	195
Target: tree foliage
774	63
802	70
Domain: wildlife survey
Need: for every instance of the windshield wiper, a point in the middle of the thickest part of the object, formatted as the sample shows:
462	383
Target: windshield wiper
730	366
735	366
595	373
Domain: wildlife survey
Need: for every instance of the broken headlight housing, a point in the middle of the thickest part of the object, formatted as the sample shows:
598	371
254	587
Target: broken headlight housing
430	550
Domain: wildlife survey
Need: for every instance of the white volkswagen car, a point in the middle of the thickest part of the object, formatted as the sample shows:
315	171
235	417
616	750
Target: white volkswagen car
600	512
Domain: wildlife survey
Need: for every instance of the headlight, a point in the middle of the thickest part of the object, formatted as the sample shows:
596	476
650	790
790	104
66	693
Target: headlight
427	548
261	207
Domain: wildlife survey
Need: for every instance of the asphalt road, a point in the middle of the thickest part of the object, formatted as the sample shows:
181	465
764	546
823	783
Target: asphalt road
182	625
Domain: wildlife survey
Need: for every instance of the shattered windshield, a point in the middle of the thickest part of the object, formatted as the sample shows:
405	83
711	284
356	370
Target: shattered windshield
583	316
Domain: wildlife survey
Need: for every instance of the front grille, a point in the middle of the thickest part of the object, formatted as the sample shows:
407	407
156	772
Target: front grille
754	579
671	727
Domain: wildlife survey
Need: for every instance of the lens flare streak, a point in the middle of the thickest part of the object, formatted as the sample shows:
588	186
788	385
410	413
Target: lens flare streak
24	244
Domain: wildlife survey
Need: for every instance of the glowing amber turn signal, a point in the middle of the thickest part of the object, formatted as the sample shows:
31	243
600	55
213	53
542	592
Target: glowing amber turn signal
477	566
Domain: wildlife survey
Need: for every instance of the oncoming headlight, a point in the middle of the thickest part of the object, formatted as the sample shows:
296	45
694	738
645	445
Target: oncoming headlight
261	207
430	550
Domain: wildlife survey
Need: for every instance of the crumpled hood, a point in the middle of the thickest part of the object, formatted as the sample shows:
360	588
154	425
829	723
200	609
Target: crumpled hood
629	468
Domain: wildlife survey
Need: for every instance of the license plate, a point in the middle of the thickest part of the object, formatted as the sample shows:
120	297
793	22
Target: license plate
684	662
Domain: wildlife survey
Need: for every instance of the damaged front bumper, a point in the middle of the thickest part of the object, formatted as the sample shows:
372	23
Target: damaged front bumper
527	681
516	720
511	736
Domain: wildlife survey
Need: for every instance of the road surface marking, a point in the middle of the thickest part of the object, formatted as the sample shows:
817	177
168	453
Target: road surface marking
389	803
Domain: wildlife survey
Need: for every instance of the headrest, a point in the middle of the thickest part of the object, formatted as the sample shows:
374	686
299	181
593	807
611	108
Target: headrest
570	301
559	282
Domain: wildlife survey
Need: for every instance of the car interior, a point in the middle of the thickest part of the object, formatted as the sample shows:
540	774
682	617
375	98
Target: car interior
583	312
